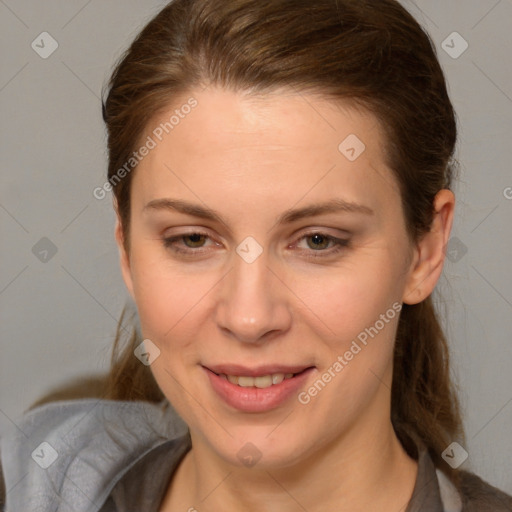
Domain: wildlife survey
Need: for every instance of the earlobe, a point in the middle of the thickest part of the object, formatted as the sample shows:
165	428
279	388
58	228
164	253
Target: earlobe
124	259
430	251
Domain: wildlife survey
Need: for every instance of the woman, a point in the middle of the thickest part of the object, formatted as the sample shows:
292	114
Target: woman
281	173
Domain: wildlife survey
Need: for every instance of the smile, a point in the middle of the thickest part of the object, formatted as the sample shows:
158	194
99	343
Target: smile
260	393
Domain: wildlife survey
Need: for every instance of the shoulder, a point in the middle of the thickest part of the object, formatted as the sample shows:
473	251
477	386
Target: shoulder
471	494
73	451
479	496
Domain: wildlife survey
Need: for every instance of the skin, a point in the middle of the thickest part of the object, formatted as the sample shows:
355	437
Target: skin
250	159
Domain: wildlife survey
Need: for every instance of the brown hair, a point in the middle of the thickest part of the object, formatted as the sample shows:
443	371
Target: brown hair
371	53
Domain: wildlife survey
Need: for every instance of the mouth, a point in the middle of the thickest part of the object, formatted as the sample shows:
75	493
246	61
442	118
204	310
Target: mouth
257	390
260	381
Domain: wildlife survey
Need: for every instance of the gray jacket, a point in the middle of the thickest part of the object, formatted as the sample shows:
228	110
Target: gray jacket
109	456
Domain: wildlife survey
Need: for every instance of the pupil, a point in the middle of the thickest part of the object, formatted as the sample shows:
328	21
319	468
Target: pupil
195	238
317	239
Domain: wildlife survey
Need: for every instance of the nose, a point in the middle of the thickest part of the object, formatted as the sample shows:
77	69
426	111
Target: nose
253	302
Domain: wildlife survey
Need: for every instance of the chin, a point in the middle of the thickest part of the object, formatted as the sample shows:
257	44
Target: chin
252	446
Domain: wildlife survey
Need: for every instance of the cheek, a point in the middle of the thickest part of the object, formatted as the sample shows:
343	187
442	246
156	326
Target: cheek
346	300
355	314
166	297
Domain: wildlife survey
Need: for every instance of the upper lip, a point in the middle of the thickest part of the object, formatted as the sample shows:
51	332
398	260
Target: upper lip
258	371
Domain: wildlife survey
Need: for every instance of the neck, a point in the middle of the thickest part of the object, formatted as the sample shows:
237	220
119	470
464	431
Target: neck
367	469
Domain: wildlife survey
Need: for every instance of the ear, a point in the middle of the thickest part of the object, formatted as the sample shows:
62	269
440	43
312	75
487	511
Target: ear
124	258
429	253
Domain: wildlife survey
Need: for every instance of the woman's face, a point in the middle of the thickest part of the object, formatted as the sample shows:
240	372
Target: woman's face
251	190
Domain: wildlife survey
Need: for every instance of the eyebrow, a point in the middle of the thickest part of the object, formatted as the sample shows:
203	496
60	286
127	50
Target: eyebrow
289	216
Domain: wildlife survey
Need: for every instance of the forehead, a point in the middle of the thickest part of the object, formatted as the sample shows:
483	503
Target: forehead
226	118
281	143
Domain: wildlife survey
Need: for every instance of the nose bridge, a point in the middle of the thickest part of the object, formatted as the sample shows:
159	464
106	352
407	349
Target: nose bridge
251	303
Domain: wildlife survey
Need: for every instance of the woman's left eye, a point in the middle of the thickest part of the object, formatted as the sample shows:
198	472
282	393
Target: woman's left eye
319	243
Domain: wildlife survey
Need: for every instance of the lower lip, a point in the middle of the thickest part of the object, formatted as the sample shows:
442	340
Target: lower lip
254	399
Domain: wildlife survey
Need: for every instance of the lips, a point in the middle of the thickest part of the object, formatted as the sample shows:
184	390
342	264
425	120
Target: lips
257	397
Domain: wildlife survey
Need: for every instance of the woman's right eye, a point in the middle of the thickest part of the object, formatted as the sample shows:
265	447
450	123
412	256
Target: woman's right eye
178	242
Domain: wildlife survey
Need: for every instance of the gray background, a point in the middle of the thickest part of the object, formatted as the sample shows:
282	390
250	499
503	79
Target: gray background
58	317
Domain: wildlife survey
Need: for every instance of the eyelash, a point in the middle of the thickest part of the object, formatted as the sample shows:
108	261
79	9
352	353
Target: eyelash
339	244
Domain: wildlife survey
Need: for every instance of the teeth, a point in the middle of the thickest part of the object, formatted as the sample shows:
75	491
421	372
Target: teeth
232	379
277	378
264	381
